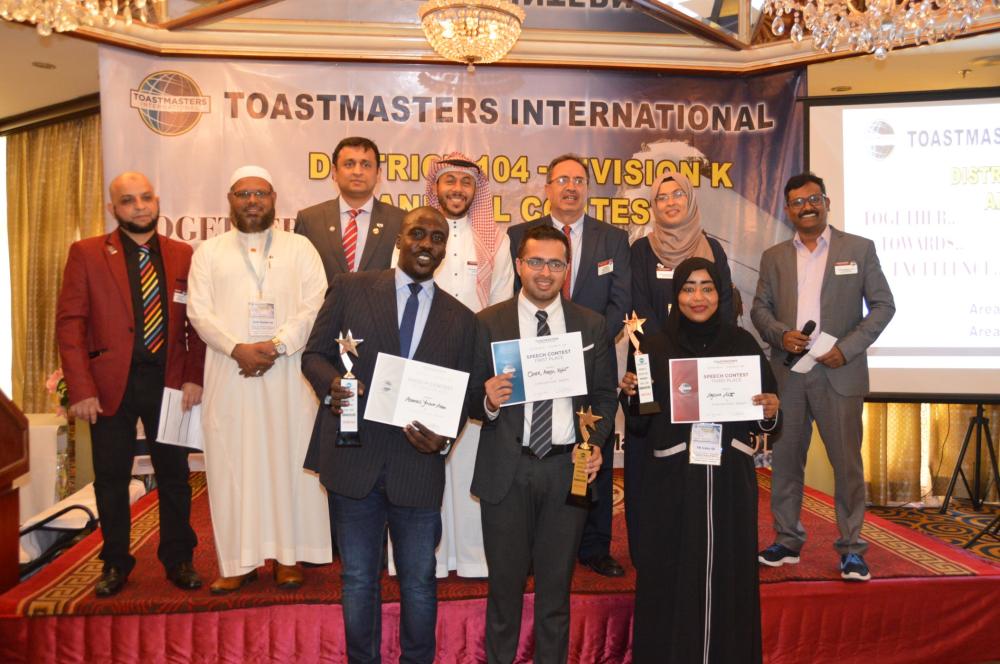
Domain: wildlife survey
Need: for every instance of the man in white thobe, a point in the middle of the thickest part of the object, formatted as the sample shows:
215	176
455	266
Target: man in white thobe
254	293
476	270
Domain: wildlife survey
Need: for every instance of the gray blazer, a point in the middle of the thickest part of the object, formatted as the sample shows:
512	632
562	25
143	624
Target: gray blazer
775	306
501	439
365	303
321	224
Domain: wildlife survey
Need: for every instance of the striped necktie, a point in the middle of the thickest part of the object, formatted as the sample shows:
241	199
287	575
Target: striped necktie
567	230
152	307
541	413
351	238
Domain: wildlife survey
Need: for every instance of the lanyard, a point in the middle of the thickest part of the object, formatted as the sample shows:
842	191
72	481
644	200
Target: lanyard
259	277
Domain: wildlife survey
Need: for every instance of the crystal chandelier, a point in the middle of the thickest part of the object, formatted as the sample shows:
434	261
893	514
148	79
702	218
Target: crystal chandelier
471	31
873	26
68	15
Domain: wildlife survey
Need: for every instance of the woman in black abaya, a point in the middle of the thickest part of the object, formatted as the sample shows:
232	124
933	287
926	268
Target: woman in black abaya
697	590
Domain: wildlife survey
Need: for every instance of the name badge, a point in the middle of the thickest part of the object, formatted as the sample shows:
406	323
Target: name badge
606	267
180	297
663	272
706	444
471	268
845	267
262	319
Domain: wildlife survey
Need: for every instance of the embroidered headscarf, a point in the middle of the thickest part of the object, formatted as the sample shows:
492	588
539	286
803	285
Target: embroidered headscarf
486	232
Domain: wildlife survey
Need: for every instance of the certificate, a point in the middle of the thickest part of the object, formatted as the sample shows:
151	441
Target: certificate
715	389
179	426
549	367
404	391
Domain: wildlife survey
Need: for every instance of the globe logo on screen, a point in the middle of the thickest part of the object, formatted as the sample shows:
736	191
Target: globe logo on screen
170	103
881	139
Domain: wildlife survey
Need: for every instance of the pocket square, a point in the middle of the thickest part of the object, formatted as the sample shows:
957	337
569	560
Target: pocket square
586	348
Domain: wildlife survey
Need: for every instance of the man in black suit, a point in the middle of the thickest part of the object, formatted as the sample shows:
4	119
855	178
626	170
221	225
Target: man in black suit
395	477
353	232
523	466
601	280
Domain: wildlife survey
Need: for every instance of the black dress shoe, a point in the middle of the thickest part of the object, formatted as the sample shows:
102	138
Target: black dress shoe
111	583
184	577
604	565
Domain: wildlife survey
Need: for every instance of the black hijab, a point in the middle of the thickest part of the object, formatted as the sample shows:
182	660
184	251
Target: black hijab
696	338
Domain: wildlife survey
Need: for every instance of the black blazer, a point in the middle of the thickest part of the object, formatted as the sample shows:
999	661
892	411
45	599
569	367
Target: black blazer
365	303
501	439
609	294
321	224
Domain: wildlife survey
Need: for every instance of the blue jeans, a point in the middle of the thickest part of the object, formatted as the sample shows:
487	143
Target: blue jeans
415	531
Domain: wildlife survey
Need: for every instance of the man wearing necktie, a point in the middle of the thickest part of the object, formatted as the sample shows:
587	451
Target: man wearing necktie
599	277
524	467
355	231
395	478
124	335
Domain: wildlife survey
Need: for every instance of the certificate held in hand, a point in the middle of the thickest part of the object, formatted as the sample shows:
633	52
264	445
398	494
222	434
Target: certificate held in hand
715	389
541	368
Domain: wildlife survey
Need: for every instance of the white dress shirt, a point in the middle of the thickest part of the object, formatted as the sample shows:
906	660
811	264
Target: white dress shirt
424	298
364	221
576	245
563	426
810	266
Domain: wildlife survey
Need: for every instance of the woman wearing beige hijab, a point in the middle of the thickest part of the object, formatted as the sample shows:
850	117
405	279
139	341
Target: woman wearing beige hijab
676	235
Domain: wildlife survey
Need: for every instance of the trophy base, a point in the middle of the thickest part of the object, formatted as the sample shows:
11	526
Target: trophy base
644	408
584	501
348	439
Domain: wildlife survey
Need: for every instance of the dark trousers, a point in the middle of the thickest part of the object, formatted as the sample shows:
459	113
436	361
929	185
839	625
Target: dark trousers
635	455
597	530
532	525
415	533
113	446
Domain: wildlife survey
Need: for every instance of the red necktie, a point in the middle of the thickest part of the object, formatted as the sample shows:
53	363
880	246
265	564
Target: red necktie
569	261
351	238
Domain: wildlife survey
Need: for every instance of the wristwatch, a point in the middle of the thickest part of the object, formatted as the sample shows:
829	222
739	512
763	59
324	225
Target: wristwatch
279	345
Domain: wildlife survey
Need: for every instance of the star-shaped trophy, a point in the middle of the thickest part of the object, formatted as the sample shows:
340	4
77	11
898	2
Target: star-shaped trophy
578	489
348	435
643	402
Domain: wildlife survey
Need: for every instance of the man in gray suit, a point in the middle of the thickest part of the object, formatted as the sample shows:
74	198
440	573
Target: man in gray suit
395	477
353	232
523	466
824	276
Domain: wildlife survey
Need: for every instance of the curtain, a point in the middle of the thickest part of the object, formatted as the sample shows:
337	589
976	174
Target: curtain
910	451
54	185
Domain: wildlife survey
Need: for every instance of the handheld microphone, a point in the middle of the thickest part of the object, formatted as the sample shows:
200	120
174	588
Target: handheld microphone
807	329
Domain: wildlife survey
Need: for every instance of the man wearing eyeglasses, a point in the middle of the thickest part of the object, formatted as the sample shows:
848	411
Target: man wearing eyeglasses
353	232
254	294
524	467
824	276
599	277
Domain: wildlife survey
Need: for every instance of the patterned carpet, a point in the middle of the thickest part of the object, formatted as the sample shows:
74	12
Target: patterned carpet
957	527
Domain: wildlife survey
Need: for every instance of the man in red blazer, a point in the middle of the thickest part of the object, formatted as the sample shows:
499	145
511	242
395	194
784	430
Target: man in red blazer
123	336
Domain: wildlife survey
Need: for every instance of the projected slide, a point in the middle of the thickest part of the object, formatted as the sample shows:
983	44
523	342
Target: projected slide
922	180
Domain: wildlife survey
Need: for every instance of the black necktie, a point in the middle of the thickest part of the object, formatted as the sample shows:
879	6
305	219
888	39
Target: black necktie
409	319
541	414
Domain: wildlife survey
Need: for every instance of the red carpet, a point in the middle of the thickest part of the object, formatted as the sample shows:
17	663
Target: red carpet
929	602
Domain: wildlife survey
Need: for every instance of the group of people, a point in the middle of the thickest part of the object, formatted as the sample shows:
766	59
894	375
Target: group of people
254	325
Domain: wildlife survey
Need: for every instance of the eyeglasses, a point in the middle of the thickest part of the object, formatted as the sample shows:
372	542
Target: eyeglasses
677	195
246	194
815	200
536	264
564	180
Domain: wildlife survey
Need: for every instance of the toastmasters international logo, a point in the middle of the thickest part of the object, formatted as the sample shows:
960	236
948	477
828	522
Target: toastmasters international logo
170	103
881	139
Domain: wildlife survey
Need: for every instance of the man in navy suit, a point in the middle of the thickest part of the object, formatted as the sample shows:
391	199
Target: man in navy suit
395	477
601	280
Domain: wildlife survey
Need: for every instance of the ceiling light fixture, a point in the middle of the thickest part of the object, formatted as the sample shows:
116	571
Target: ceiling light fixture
873	26
68	15
471	31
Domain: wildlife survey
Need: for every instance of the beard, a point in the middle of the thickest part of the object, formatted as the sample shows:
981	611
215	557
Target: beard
246	225
139	229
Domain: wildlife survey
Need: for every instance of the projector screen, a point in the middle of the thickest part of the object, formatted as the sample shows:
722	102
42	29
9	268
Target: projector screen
921	178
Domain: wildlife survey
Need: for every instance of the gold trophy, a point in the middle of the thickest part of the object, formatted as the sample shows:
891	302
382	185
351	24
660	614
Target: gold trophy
348	436
578	491
643	403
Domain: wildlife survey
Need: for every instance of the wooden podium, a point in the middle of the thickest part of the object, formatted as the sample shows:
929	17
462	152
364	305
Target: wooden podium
13	464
